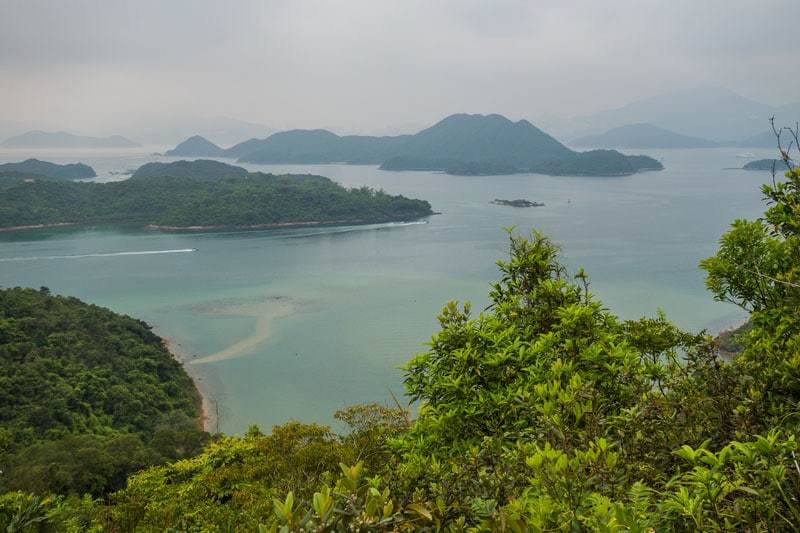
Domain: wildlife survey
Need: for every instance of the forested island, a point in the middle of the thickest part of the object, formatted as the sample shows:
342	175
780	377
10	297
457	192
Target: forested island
460	144
34	168
766	164
200	195
545	411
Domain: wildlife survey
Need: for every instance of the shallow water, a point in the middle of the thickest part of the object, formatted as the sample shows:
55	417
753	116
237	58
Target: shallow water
296	323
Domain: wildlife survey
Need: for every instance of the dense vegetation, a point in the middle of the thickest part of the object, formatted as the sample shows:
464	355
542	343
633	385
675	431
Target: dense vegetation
44	169
199	169
86	396
545	412
178	202
459	144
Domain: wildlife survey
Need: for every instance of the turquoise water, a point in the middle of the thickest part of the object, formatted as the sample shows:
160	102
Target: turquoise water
294	324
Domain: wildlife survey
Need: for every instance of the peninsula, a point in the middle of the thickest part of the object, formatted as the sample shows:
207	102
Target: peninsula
90	396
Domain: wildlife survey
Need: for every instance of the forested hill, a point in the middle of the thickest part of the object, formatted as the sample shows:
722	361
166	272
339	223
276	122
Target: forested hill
458	144
196	146
44	169
175	203
492	144
200	169
766	164
87	396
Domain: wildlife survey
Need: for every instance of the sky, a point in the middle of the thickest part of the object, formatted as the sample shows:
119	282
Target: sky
378	66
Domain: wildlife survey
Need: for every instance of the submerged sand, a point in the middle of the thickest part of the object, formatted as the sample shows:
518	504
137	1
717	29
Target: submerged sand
265	311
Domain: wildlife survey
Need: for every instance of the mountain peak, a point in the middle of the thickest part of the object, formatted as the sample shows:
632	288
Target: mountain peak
196	146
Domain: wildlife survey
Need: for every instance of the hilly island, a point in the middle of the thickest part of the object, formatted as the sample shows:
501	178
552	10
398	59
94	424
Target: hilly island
33	168
460	144
199	195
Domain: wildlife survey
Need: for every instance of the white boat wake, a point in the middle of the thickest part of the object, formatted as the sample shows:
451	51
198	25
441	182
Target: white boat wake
335	230
83	256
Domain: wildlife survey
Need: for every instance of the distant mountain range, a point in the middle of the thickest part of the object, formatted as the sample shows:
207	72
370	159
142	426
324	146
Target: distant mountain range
169	130
712	113
33	168
459	144
642	136
762	140
62	139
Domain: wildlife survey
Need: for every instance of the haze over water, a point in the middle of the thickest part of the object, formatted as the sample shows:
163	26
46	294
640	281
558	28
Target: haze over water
295	323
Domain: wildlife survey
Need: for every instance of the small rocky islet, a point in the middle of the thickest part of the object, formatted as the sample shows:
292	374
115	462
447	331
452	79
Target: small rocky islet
516	203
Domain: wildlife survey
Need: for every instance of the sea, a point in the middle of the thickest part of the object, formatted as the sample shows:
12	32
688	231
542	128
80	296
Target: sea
294	324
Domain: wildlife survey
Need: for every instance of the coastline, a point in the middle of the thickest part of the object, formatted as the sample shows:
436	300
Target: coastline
219	227
36	226
207	418
256	226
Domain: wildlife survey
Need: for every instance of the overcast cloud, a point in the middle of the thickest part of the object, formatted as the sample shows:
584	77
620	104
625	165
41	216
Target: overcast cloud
101	66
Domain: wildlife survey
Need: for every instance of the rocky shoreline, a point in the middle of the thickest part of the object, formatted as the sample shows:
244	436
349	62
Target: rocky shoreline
36	226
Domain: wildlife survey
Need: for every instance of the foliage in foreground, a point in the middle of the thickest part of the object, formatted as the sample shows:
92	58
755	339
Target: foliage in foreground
544	413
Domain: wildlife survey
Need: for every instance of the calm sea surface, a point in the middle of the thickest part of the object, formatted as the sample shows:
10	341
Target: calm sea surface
294	324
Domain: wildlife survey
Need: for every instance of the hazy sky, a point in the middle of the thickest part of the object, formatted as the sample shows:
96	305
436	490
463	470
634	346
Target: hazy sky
101	66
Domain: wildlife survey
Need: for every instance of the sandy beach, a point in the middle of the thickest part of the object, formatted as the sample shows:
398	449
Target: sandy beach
207	412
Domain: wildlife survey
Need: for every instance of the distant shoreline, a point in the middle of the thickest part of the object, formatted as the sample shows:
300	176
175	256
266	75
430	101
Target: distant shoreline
221	227
259	226
36	226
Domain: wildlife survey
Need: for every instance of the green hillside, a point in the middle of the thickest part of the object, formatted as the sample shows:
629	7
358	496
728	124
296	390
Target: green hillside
87	396
45	169
225	200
